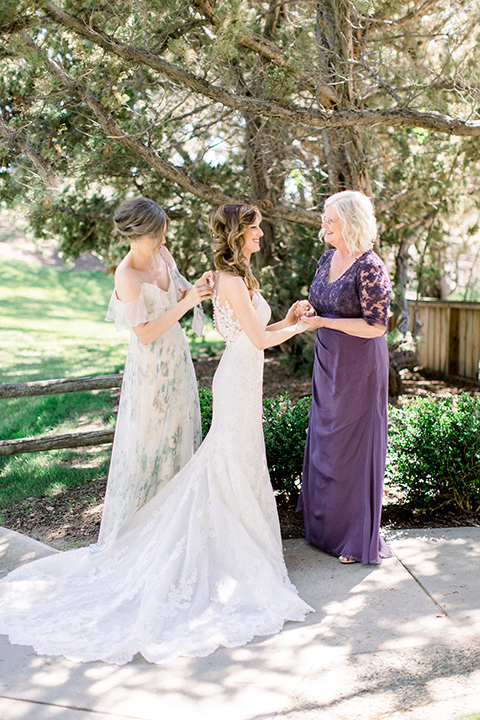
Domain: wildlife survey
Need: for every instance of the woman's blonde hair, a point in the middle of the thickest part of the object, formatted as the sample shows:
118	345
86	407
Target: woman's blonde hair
227	225
137	217
357	215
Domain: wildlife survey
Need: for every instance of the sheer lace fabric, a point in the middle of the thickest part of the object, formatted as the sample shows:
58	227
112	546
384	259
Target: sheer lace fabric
158	424
362	291
199	566
225	322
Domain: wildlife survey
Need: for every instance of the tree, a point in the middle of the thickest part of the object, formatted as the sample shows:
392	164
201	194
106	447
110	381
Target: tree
196	102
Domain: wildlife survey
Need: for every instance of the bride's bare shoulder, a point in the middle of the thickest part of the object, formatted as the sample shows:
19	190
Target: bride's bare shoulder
230	282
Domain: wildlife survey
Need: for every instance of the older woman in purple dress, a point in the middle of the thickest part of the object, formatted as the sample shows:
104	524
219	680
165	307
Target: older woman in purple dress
343	473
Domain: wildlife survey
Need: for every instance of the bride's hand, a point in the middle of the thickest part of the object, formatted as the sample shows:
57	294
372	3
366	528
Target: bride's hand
297	310
292	314
305	309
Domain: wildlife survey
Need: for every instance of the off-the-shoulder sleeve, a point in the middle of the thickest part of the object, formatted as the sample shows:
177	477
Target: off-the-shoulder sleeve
374	291
126	315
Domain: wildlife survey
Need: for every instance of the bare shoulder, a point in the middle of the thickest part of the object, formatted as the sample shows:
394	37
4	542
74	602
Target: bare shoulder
127	283
231	283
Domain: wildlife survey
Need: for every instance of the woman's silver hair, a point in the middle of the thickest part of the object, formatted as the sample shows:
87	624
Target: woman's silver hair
137	217
357	215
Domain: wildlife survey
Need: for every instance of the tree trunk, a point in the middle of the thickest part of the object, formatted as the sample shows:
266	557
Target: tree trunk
258	154
343	147
400	305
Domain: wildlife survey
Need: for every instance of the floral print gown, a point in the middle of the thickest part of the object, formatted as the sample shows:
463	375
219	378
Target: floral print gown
158	424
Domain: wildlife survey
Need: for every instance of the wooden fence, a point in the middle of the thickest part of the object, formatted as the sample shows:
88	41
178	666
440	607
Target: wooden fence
48	387
450	336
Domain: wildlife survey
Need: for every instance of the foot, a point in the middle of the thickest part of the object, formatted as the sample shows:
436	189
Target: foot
346	560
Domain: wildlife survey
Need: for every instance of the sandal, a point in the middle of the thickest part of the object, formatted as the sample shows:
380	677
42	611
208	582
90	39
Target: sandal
346	560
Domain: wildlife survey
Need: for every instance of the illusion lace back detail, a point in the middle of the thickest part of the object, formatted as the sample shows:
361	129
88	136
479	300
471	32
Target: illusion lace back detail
228	327
225	322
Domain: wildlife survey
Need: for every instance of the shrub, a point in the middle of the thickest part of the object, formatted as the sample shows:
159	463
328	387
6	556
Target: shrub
433	452
285	427
206	408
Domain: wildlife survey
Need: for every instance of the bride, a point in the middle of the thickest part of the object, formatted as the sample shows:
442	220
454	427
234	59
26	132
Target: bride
200	565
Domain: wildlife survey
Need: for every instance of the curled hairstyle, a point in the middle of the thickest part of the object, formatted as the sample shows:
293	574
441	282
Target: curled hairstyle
357	215
137	217
227	225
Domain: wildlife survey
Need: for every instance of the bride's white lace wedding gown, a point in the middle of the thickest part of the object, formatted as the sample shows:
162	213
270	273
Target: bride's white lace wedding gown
198	567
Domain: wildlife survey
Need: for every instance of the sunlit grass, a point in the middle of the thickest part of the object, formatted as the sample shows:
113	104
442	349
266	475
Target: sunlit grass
48	473
53	324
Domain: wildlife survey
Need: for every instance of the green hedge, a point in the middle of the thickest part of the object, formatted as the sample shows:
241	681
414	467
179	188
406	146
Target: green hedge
433	456
284	426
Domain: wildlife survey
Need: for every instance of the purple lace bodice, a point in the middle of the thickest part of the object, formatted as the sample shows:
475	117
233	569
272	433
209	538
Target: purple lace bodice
362	291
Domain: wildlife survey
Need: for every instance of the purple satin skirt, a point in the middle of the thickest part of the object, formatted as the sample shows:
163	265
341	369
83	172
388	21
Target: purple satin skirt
344	464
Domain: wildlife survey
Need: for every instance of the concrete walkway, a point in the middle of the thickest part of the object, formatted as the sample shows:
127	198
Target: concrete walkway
398	641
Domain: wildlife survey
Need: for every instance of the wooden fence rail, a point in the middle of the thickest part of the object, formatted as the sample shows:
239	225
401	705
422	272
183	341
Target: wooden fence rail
49	387
450	337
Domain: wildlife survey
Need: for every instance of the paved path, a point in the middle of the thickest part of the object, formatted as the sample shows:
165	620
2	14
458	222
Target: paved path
399	641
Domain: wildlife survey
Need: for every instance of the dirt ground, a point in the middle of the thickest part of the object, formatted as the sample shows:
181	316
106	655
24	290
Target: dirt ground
72	518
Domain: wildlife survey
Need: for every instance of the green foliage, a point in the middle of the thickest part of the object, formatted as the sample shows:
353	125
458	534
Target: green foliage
288	281
284	427
434	452
419	178
206	408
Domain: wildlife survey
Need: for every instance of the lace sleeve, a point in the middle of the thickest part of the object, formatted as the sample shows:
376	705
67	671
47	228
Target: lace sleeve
374	293
127	315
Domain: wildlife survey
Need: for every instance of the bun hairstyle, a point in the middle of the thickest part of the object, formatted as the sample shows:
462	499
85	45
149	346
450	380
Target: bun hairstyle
357	215
227	225
137	217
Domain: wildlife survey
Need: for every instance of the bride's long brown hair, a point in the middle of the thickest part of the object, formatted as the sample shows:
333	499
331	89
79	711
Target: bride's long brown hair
227	225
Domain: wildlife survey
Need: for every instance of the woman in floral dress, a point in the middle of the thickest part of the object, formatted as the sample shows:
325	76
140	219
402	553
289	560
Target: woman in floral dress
158	424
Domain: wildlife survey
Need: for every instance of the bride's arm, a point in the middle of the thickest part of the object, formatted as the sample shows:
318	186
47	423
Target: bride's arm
290	318
239	299
128	288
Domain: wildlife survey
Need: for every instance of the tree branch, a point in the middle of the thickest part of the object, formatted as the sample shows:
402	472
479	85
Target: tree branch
420	9
267	50
169	171
402	117
16	142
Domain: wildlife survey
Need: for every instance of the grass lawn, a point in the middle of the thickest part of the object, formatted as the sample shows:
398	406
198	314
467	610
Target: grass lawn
53	326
